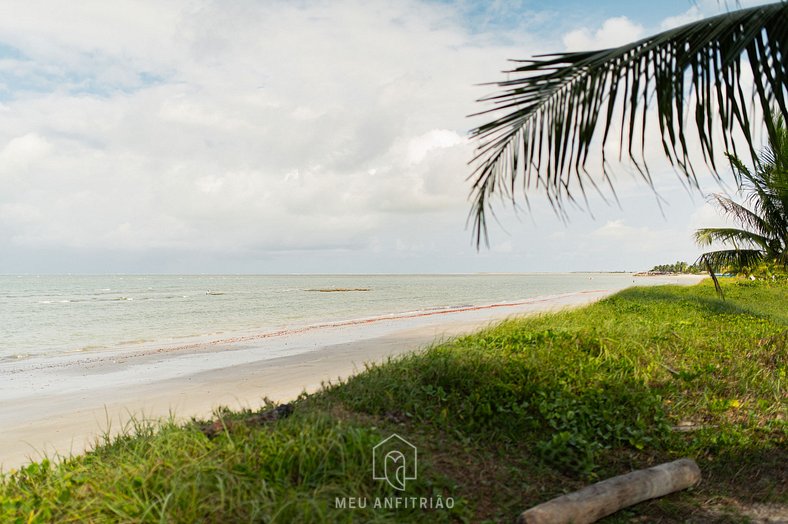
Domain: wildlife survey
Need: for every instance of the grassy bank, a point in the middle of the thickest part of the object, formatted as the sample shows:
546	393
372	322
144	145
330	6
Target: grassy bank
503	419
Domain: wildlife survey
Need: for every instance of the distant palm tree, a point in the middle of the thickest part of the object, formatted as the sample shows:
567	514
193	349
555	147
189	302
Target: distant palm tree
763	236
554	106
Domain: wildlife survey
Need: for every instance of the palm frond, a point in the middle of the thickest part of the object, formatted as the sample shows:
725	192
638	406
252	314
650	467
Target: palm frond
766	188
741	214
767	192
737	237
782	259
732	258
553	109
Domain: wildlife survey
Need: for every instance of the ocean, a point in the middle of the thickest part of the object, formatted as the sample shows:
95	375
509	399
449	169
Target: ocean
58	314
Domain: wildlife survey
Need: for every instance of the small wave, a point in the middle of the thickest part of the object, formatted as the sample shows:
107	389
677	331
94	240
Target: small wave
90	347
14	358
193	335
133	342
443	308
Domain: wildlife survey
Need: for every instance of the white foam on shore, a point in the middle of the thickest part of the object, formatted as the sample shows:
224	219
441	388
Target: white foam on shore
73	372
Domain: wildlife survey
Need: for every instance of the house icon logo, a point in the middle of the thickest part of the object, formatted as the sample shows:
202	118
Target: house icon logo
394	460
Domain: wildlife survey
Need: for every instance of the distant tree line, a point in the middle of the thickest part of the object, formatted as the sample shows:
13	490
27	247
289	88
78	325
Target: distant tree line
678	267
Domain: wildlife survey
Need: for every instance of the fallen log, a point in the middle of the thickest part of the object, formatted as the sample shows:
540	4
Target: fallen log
603	498
212	429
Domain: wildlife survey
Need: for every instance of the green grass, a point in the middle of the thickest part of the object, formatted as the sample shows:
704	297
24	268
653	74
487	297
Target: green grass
503	419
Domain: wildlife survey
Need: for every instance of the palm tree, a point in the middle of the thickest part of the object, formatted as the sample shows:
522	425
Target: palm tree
559	107
763	236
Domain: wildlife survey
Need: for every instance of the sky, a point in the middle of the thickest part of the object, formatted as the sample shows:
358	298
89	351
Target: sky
299	137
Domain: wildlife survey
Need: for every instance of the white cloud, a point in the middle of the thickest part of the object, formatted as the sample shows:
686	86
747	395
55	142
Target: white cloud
268	125
255	127
420	146
643	239
503	247
613	33
690	15
704	9
21	151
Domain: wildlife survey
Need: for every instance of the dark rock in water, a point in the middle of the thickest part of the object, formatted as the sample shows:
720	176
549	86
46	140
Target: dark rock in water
338	289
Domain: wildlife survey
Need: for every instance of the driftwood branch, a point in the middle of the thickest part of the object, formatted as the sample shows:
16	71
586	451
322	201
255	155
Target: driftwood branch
603	498
212	429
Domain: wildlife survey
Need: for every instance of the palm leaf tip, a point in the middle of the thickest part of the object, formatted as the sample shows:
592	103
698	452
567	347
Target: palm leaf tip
561	106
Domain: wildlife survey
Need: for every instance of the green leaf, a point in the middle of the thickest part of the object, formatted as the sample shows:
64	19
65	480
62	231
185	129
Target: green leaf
548	117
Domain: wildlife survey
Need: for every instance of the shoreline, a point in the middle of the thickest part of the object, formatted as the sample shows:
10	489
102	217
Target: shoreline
61	408
114	353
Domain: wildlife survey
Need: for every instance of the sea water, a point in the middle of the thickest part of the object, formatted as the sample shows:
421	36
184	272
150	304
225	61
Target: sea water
56	314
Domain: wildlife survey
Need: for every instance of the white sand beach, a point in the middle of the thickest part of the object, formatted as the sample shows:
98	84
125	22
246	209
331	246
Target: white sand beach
58	406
